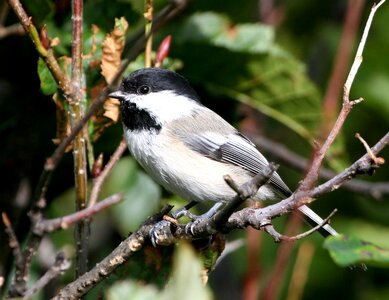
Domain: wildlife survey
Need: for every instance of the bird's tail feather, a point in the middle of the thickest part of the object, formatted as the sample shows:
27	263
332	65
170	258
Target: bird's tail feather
315	219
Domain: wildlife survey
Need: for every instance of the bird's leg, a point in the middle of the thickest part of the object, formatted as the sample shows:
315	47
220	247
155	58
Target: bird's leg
184	211
206	216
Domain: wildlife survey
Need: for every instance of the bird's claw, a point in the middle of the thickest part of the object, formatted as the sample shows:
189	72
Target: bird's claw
161	233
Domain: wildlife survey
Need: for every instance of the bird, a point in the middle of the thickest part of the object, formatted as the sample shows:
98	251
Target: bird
188	148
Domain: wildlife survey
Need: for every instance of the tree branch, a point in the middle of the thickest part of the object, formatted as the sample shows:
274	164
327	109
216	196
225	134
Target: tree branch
98	182
257	218
60	265
77	107
117	257
319	154
49	225
282	154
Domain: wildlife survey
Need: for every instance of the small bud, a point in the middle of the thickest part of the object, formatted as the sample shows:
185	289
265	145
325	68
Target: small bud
97	166
163	51
44	37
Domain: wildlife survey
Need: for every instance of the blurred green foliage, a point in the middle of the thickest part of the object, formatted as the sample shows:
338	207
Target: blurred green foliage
232	59
351	251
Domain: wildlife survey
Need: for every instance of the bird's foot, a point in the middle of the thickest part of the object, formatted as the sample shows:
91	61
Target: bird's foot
191	227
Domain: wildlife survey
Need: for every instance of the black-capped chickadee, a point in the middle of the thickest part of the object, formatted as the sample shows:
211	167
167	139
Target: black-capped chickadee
186	147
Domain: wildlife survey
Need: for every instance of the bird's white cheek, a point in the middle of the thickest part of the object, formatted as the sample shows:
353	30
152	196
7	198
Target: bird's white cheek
165	106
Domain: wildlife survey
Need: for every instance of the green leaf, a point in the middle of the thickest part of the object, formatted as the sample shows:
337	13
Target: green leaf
48	83
252	69
131	290
349	251
185	282
251	38
216	29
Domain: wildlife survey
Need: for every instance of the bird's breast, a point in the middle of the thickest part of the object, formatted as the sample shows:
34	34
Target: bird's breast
182	171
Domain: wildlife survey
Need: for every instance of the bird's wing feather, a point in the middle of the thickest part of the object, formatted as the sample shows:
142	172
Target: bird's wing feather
235	149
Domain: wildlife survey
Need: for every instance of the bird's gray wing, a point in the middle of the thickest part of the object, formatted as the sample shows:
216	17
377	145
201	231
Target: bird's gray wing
236	149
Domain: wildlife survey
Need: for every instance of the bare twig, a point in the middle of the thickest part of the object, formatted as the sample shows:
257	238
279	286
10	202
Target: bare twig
312	174
249	216
22	268
98	182
40	227
244	192
377	160
341	64
282	154
14	29
280	237
60	265
13	240
50	225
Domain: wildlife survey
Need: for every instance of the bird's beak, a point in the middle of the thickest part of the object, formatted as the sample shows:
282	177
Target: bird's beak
117	95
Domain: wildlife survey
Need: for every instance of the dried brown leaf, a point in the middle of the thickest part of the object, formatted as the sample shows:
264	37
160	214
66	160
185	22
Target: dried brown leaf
113	46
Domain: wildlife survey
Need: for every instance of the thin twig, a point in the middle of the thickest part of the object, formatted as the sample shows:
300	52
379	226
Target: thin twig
13	240
308	232
312	174
60	265
341	64
253	217
244	192
22	269
377	160
14	29
98	182
50	225
282	154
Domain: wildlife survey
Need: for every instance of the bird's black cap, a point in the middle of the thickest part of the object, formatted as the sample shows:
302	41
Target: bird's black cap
158	80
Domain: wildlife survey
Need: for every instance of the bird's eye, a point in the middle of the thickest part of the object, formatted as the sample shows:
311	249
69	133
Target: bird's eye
144	89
